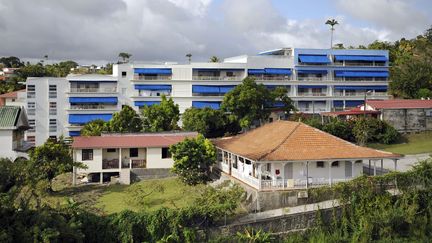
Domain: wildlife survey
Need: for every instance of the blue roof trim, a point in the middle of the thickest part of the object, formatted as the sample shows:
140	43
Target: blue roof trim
380	87
146	103
202	104
312	86
338	103
166	71
85	100
368	58
311	71
82	119
152	87
212	89
256	71
353	103
280	71
314	58
361	74
74	133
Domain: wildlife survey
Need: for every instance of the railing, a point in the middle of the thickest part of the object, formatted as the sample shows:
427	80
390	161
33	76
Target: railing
216	78
316	109
162	77
366	64
312	94
92	107
263	78
110	164
94	90
339	79
359	94
252	181
298	183
312	78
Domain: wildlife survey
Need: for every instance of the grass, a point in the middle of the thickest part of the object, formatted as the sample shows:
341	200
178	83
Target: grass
413	144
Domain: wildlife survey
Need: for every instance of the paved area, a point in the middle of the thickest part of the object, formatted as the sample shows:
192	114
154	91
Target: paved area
287	211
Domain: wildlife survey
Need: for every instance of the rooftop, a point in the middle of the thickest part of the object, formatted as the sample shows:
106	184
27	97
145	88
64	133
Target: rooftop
295	141
13	94
137	140
399	104
9	116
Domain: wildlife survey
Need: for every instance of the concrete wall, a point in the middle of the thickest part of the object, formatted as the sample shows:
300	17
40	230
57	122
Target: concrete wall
6	144
408	120
154	159
94	165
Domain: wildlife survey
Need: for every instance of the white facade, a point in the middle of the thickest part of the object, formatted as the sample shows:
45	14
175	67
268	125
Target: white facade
12	144
330	85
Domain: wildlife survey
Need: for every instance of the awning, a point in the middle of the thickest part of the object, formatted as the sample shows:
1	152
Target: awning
165	71
338	103
218	69
85	118
353	103
314	59
146	103
380	87
311	71
85	100
202	104
256	71
312	86
152	87
271	87
74	133
360	58
280	71
361	74
212	89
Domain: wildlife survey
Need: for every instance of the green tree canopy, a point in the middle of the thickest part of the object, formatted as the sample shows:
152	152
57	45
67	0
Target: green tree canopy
211	123
11	62
95	128
127	120
280	94
161	117
124	56
192	159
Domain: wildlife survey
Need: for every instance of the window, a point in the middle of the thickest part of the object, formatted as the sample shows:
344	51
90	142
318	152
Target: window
31	139
320	164
53	125
87	154
123	74
54	138
32	124
166	153
133	152
268	167
53	108
111	150
335	164
229	74
31	91
31	108
53	91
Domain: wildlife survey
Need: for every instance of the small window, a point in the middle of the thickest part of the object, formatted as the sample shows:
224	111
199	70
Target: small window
111	150
123	74
166	153
54	138
87	154
133	152
335	164
268	167
320	164
229	74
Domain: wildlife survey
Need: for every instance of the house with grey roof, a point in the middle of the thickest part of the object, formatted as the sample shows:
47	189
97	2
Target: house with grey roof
13	123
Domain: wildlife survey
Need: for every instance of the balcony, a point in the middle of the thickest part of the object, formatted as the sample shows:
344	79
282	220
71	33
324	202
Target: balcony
217	78
134	163
21	145
298	183
310	109
358	94
93	107
340	79
272	78
311	94
312	78
152	78
364	64
110	164
94	90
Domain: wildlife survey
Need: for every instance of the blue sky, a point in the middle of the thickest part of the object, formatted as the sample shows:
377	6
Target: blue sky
95	31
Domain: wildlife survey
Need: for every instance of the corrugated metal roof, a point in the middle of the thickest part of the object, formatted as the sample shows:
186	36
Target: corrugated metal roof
9	116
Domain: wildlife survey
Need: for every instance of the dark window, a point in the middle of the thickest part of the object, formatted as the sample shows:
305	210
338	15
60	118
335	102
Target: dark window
123	74
335	164
133	152
320	164
87	154
111	150
268	167
166	153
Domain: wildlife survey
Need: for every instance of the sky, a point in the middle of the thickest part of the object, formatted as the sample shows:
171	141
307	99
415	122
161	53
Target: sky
95	31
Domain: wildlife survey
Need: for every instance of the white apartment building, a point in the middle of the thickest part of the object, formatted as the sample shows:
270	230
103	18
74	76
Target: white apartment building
317	80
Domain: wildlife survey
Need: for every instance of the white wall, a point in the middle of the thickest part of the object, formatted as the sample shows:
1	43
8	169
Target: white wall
6	145
94	165
154	159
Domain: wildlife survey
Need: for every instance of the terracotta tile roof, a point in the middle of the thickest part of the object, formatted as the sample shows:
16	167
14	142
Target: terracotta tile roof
139	140
11	94
295	141
399	104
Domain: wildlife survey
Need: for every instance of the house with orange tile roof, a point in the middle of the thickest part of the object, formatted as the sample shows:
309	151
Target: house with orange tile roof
15	98
286	155
122	154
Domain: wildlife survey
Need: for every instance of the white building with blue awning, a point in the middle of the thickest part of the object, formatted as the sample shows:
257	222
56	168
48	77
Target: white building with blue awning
317	80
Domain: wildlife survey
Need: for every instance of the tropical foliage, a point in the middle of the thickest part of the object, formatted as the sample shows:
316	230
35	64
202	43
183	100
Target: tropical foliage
161	117
209	122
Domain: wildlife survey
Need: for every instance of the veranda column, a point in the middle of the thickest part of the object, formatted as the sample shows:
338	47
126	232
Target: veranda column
283	175
395	164
374	167
259	176
382	166
330	172
307	174
120	159
352	169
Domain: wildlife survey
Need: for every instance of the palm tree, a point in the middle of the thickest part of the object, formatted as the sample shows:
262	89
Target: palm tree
332	23
189	56
214	59
124	56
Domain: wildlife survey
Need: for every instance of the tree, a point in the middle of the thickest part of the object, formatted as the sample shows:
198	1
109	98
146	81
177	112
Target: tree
247	103
280	95
209	122
214	59
127	120
94	128
124	56
424	93
50	160
332	23
11	62
161	117
192	159
189	56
